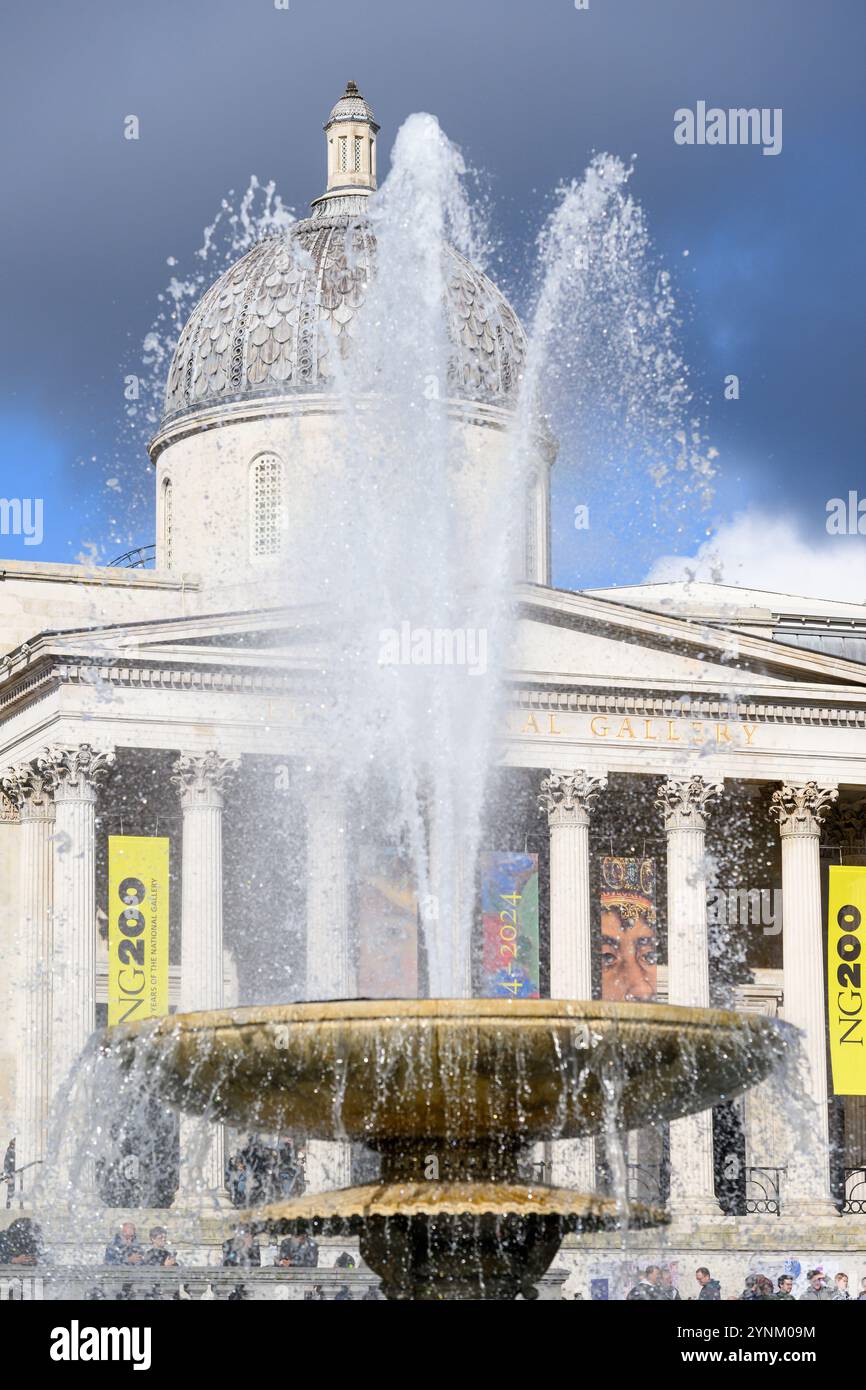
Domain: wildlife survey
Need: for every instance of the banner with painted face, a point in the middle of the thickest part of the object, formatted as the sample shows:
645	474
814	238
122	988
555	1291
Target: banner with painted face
629	933
846	953
509	910
138	945
387	924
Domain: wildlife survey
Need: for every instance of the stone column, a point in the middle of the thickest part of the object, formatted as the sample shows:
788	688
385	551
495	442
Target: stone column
75	774
683	804
200	780
31	793
567	798
330	965
799	809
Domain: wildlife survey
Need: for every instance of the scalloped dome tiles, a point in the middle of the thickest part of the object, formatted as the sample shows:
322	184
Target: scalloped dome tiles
271	324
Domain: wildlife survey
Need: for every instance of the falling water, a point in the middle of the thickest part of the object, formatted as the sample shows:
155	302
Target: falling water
408	533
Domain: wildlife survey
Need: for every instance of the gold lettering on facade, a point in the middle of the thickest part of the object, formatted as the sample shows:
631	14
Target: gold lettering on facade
698	731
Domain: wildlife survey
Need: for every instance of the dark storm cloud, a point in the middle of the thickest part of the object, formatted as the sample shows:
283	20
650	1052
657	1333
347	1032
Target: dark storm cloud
223	89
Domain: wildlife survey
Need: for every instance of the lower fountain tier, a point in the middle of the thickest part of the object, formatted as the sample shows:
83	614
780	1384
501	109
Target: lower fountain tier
432	1241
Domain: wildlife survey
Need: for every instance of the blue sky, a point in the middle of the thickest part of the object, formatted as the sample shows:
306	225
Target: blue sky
225	89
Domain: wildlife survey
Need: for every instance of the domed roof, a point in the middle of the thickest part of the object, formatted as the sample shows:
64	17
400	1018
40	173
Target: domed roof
351	107
272	323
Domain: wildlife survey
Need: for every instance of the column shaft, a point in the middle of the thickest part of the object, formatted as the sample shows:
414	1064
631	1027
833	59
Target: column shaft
683	803
799	810
31	794
567	797
330	966
200	781
33	1087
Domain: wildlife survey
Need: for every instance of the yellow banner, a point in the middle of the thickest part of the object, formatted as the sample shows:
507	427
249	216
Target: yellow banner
137	927
846	956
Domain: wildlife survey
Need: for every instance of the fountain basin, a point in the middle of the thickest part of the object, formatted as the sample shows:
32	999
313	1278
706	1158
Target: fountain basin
449	1092
454	1070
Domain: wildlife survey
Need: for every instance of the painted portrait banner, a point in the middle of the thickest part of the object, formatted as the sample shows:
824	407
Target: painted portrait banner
846	951
509	910
387	925
138	943
629	933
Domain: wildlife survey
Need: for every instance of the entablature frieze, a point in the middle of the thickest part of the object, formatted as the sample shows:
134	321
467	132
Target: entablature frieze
652	705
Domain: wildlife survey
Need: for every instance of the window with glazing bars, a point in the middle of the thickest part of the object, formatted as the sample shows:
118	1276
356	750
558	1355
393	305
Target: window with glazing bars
266	486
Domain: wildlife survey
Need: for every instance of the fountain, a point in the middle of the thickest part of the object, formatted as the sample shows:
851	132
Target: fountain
449	1092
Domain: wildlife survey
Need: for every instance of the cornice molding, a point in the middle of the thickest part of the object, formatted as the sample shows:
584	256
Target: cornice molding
130	672
651	705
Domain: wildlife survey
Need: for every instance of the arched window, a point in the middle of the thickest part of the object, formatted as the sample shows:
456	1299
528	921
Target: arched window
267	506
167	522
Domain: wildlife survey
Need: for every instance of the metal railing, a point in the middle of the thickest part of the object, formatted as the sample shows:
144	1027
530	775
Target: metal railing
143	557
646	1184
764	1191
155	1284
855	1192
11	1184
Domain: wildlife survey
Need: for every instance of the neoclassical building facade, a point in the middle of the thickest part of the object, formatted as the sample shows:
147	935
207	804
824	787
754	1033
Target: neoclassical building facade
721	732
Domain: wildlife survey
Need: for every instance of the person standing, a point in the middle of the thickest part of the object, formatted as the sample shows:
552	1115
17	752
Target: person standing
786	1288
666	1289
9	1172
158	1252
840	1293
124	1248
646	1289
817	1291
711	1291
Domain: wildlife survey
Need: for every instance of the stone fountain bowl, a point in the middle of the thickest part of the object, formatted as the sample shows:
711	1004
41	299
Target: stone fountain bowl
393	1071
449	1092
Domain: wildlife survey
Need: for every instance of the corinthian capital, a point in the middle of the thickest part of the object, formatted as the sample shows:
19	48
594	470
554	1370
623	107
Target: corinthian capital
73	774
29	791
800	807
683	802
846	825
201	778
568	797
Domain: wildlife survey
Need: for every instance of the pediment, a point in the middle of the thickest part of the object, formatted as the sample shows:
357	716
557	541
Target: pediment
577	639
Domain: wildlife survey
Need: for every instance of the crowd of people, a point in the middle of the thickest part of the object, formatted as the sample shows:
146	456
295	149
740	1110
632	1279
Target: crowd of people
260	1172
21	1244
125	1248
656	1284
